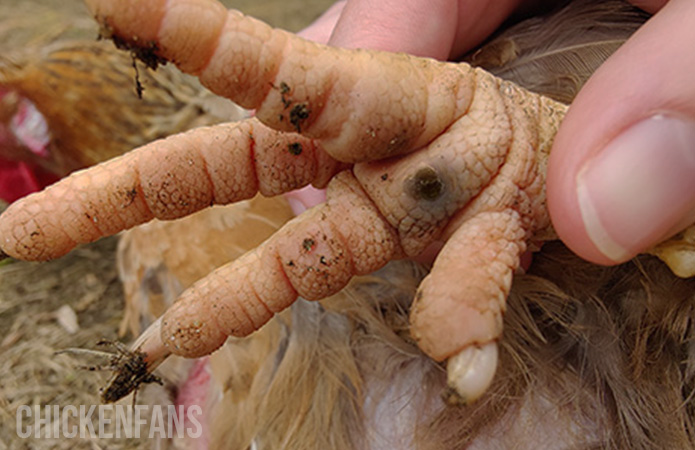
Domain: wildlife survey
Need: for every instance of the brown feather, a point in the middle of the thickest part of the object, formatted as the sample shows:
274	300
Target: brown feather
86	92
556	53
156	261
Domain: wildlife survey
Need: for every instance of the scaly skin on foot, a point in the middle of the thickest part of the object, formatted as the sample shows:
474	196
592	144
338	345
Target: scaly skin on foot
412	151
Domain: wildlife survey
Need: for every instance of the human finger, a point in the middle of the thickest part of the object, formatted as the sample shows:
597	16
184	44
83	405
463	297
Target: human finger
437	29
320	30
651	6
622	171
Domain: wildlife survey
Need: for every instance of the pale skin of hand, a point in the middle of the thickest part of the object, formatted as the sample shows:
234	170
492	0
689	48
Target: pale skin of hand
602	216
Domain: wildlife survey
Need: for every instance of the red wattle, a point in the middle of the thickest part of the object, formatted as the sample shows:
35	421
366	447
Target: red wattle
18	179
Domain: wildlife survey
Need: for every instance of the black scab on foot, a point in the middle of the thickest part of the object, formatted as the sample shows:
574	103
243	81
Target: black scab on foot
298	114
295	148
425	184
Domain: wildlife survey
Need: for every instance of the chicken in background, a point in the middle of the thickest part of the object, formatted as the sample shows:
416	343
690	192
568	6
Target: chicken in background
66	104
158	260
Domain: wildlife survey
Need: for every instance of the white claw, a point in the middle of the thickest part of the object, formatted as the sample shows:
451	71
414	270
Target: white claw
150	343
470	372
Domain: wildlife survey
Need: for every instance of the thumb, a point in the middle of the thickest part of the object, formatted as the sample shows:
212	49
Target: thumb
437	29
417	27
621	175
320	30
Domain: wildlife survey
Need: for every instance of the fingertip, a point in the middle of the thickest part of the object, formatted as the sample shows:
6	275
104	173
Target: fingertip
571	150
620	176
307	197
410	26
635	192
570	229
651	6
440	29
321	29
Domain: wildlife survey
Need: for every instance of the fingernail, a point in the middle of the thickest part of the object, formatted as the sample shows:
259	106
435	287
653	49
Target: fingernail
633	193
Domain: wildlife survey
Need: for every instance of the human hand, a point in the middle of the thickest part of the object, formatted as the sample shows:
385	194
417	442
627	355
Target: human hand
622	172
629	201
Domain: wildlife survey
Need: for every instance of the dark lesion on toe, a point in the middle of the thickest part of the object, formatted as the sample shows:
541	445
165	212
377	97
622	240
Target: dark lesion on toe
295	148
299	112
425	184
298	115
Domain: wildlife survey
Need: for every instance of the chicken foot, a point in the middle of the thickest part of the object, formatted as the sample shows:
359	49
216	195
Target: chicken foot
434	151
166	179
